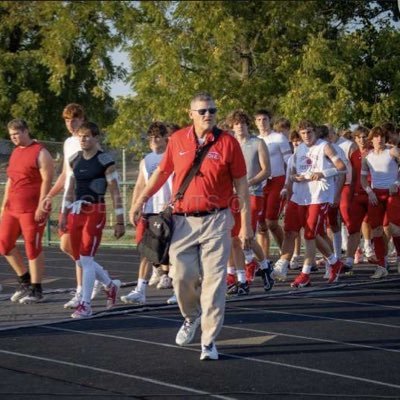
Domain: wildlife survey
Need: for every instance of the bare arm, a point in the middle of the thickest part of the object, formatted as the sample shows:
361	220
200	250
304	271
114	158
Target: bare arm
364	183
156	181
242	191
46	169
68	199
263	158
5	198
137	191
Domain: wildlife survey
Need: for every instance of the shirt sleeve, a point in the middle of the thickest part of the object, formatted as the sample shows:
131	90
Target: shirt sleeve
167	162
286	150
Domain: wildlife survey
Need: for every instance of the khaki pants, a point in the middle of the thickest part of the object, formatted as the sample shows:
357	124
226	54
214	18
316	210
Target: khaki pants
199	254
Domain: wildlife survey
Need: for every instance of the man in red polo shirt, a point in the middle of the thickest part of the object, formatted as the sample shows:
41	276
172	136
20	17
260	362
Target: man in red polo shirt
201	239
29	173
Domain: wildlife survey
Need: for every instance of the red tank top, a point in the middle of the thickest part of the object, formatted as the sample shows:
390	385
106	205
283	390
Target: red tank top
25	179
356	161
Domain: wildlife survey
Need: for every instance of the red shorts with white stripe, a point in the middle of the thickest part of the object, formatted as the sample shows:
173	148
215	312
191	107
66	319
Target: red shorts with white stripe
310	217
12	225
256	215
86	229
389	205
273	204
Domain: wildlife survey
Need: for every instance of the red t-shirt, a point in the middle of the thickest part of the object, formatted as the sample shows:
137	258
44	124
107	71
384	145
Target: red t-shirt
25	179
356	162
212	187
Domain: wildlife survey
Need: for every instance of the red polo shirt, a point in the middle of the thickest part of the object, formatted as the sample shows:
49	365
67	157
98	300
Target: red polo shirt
212	187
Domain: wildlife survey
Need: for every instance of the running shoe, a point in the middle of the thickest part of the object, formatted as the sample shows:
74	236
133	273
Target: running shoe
239	289
74	302
34	296
335	271
187	331
251	269
165	282
358	256
172	299
155	276
82	311
379	273
134	297
294	263
302	280
22	290
209	352
266	276
230	279
112	292
280	270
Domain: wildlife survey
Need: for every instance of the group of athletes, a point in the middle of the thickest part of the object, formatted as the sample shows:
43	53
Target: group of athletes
318	181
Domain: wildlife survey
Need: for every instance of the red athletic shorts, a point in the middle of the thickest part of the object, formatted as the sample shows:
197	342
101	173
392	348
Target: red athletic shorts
12	225
386	204
358	212
273	204
345	204
86	229
256	214
310	217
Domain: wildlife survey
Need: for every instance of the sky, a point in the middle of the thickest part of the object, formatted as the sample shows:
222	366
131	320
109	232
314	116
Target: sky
119	88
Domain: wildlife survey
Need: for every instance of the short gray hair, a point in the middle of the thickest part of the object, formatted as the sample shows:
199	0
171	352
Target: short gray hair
201	96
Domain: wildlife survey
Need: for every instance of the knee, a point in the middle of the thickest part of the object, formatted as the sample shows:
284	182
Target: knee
272	225
5	248
32	251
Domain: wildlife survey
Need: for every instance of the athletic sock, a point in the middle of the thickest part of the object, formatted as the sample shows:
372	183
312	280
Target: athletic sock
37	287
25	278
337	243
231	270
141	285
332	259
101	274
349	261
88	278
306	269
241	275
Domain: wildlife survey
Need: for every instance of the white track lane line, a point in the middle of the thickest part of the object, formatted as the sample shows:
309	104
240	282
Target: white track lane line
352	321
252	359
116	373
333	300
309	338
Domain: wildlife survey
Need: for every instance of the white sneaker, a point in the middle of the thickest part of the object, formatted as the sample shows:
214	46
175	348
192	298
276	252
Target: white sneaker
97	288
155	276
380	272
134	297
165	282
186	334
74	302
280	270
294	263
112	292
209	352
82	311
172	299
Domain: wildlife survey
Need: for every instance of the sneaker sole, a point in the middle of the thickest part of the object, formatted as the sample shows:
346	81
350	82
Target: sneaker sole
300	285
127	301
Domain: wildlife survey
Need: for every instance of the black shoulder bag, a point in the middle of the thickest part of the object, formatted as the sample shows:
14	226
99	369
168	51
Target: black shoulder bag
158	233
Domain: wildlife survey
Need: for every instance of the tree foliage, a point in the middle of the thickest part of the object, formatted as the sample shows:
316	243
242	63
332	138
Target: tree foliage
53	53
325	60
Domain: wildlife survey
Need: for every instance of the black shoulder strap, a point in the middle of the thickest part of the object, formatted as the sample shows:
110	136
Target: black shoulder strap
198	159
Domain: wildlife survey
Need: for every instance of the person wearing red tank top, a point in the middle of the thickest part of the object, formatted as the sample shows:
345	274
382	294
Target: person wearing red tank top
29	173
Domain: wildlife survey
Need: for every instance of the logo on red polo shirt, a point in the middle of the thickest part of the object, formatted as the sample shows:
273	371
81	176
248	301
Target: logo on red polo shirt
213	155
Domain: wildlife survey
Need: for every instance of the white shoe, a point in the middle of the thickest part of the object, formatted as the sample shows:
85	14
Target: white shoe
134	297
328	269
186	334
112	292
165	282
155	276
74	302
209	352
97	288
172	299
280	270
294	263
380	272
82	311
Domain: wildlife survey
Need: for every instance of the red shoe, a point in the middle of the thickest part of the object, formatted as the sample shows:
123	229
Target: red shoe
251	269
302	280
335	271
230	279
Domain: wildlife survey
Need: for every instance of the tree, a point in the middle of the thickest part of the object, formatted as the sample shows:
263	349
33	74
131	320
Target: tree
297	58
53	53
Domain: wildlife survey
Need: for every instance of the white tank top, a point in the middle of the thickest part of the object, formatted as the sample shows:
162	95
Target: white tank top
279	152
345	145
308	160
383	168
158	201
71	146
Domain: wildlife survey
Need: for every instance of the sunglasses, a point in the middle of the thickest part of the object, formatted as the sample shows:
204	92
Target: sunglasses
202	111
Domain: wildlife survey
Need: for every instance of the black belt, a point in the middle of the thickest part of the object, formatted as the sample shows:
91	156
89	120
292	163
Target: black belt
201	213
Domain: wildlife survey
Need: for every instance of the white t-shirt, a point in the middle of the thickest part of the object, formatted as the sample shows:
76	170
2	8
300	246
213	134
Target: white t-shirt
383	169
71	147
279	152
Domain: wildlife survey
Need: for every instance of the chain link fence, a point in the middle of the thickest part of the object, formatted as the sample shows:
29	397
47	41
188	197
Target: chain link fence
127	166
